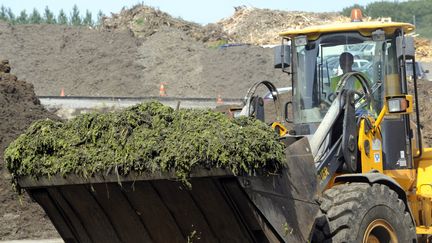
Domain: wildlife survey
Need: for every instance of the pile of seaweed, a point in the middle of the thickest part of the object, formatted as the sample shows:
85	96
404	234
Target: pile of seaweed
148	137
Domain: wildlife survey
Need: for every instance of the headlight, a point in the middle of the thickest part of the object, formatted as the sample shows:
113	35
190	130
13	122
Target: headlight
396	105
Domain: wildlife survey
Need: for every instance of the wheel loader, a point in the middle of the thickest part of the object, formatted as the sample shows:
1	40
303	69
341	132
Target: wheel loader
356	169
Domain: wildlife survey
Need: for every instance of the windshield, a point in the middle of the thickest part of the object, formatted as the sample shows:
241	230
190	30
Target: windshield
318	69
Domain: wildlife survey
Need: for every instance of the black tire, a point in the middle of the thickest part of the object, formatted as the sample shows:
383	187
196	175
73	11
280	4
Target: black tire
353	209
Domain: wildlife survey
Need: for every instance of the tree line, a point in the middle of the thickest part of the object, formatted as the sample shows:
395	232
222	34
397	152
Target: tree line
48	17
418	12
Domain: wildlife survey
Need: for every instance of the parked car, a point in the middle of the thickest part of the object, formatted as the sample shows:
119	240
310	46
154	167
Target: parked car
420	72
269	96
360	64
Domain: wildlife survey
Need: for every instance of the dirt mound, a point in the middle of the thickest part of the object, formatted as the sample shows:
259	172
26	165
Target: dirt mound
261	26
144	21
19	218
83	61
423	49
424	95
114	63
190	69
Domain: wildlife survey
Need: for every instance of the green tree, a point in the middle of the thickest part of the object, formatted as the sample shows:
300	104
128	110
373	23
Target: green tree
403	11
75	17
11	16
100	16
3	13
49	17
387	9
88	20
35	17
22	18
62	18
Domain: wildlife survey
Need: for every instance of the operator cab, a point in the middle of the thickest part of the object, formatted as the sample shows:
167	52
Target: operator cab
378	54
316	70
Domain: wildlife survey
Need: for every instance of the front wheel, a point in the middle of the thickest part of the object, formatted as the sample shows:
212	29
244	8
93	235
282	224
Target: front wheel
363	213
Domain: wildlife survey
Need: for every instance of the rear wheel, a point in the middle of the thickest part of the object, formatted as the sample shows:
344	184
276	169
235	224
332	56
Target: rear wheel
363	213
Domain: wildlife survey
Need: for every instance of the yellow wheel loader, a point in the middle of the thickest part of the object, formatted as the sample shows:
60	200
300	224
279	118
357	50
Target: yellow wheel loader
356	170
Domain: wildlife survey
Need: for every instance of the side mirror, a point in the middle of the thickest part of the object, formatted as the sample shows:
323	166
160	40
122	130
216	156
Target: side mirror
426	71
405	45
282	56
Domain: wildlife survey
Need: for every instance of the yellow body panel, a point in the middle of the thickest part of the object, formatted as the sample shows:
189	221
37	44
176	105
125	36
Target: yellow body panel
369	144
420	199
417	183
281	129
422	230
424	178
405	177
364	28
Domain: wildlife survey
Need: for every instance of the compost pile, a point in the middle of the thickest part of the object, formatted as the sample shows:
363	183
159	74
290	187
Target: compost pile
19	107
262	26
423	49
247	24
149	137
144	21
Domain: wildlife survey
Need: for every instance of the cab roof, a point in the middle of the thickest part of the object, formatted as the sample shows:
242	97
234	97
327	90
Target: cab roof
364	28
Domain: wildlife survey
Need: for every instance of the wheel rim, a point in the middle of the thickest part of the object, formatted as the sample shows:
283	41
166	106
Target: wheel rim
380	231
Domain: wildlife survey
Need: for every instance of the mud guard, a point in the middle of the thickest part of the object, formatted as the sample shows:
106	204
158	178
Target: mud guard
371	178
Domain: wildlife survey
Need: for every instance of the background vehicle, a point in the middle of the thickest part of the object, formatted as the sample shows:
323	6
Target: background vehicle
347	178
283	90
420	72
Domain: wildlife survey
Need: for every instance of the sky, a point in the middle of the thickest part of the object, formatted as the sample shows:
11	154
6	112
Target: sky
202	12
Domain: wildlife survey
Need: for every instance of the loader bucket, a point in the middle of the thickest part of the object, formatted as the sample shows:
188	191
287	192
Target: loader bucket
220	207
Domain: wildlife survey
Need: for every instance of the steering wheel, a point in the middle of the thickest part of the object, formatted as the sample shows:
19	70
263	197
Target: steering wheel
363	97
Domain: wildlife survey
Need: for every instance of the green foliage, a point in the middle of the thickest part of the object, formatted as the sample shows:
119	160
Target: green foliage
6	14
217	44
88	20
139	21
3	13
405	11
22	18
62	18
100	15
11	16
35	17
75	18
149	137
49	17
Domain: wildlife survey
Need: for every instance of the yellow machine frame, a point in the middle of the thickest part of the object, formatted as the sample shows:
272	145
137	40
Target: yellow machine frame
416	182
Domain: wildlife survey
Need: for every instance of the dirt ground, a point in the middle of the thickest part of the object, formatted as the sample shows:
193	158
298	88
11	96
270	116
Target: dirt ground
19	217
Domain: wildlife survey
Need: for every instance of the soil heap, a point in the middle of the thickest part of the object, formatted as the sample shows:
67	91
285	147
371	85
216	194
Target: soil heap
424	96
19	107
423	49
88	62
